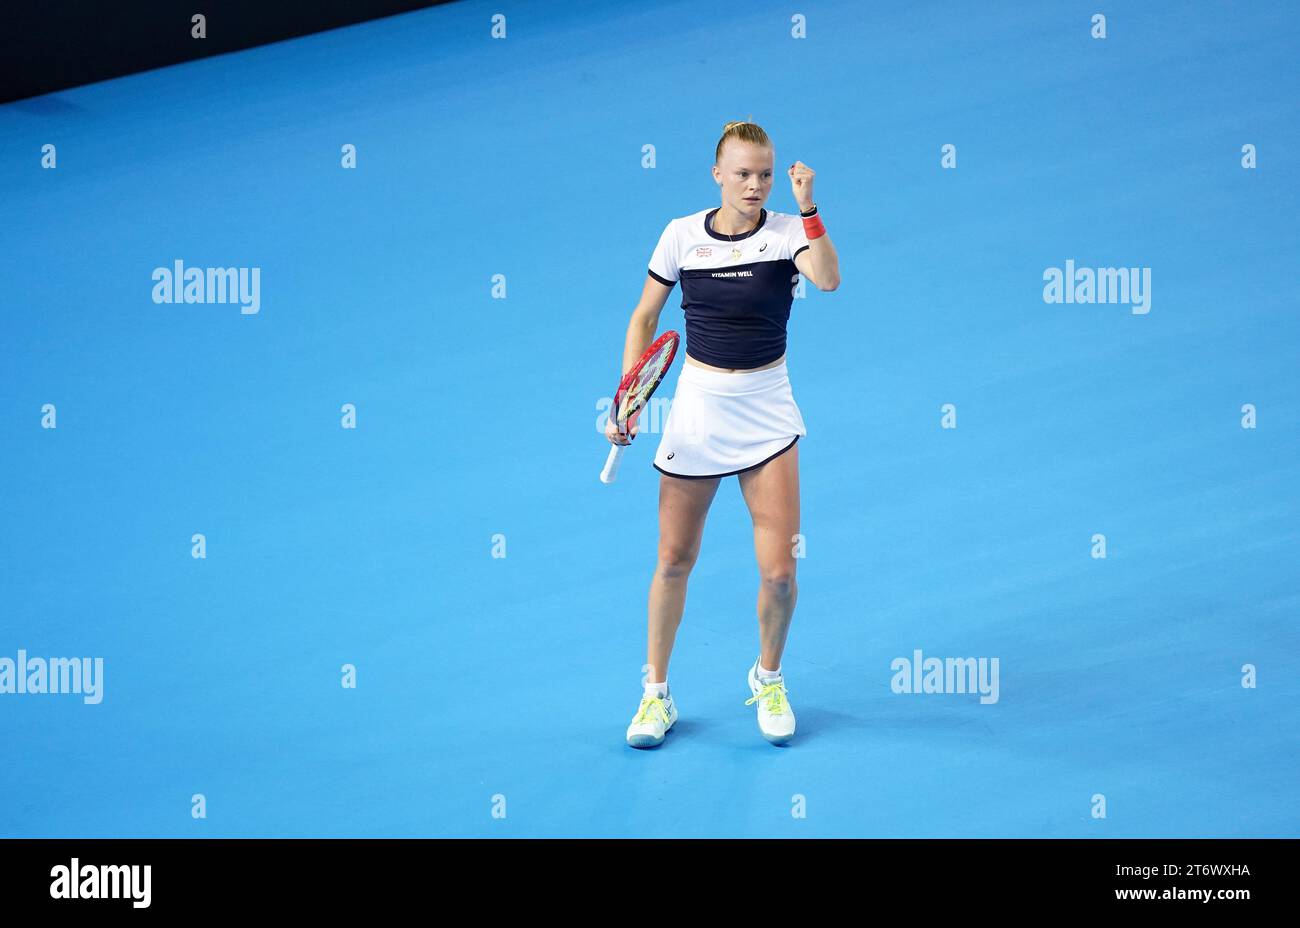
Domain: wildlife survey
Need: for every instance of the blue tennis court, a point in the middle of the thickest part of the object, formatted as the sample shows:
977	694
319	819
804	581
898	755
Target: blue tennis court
386	445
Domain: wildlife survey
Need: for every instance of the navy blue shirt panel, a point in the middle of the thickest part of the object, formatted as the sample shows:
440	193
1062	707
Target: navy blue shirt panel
737	290
736	316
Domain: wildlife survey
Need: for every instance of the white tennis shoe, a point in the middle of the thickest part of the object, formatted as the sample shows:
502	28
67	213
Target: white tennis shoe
775	717
654	717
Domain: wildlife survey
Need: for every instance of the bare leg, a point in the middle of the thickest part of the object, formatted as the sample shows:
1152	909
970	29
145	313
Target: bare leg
683	505
772	494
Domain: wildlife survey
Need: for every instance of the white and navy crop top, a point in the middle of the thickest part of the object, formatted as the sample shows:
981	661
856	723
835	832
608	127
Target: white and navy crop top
736	295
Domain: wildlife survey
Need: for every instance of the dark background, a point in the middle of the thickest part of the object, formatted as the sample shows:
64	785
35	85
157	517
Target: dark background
49	46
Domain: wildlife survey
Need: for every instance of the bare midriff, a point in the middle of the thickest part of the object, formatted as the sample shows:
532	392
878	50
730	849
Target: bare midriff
734	370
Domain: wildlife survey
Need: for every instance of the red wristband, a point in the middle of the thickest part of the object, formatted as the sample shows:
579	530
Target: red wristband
813	228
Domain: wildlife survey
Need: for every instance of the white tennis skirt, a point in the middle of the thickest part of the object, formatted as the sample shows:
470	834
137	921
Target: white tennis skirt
721	424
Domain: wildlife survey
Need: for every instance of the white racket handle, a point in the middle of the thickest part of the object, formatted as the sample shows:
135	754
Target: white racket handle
611	463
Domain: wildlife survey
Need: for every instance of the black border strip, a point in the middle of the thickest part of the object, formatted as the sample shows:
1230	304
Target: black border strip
708	226
729	473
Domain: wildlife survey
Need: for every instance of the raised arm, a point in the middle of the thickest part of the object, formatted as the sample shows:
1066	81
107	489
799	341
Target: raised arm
819	262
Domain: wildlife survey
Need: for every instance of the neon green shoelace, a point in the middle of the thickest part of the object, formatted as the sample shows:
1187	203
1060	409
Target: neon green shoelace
652	705
774	693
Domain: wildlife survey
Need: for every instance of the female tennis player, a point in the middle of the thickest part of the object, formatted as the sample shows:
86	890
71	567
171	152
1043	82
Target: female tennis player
733	411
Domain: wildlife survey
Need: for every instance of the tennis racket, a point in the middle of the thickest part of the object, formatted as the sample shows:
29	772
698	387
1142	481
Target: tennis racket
634	392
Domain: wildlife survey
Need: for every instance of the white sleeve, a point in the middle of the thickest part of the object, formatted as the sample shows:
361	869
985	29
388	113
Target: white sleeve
663	263
796	237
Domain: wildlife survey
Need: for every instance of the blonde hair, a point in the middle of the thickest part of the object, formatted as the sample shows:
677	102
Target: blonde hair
742	131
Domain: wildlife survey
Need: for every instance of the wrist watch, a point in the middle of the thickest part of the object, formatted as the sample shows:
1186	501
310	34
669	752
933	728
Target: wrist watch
809	212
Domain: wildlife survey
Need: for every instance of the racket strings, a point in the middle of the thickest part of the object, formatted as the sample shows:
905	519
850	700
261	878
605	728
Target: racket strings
634	397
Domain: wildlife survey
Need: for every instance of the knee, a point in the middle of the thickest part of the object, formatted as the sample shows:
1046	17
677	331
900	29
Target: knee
779	581
676	563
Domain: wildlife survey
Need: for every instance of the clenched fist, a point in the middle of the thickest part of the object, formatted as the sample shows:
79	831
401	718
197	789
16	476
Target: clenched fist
801	183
